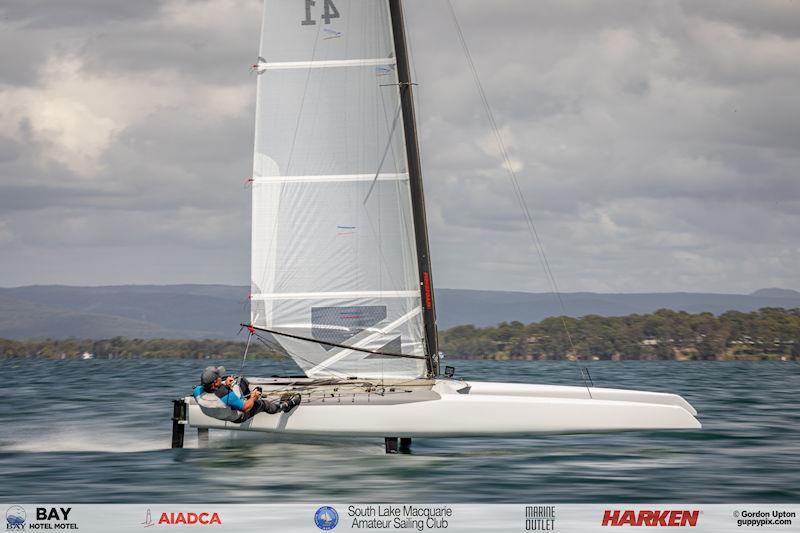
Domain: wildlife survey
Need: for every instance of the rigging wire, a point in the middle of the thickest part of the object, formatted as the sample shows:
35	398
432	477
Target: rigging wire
335	345
537	242
389	144
302	102
280	349
246	349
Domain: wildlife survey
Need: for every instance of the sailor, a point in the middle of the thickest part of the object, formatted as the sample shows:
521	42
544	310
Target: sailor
226	398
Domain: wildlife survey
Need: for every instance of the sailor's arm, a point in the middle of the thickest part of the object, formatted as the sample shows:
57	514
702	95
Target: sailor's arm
251	400
235	401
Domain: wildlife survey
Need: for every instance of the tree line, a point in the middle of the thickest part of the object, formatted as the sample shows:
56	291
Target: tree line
769	333
124	348
665	334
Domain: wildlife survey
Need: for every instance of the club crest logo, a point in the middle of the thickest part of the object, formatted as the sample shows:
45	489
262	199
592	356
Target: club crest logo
326	518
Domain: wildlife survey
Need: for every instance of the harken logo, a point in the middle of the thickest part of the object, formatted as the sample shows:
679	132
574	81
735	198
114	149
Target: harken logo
15	518
664	518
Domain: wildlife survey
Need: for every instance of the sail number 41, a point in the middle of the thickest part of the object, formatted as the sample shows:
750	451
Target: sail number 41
329	12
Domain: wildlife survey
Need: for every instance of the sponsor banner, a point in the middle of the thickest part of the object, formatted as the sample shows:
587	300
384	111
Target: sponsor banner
402	517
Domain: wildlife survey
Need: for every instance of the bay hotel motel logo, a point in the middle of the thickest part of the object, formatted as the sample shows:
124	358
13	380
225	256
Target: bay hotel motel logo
15	518
46	518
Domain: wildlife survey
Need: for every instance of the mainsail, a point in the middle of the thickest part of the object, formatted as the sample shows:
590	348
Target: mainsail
339	244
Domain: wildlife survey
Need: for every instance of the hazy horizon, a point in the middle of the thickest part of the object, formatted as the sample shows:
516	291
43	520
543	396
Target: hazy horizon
436	288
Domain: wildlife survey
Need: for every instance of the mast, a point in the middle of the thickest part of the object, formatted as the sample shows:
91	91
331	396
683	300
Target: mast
415	182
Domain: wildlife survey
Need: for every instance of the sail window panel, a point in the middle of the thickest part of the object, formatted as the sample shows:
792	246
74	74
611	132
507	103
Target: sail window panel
311	237
338	324
331	121
296	30
368	323
399	316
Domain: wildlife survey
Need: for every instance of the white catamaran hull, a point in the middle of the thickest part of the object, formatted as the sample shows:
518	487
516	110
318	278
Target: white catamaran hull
448	408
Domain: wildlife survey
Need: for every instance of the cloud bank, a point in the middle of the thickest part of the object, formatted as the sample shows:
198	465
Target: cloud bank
657	143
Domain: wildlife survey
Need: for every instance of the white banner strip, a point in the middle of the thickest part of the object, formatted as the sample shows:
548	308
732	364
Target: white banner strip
403	517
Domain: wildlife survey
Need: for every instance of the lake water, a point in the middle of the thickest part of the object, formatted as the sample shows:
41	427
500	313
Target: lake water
99	431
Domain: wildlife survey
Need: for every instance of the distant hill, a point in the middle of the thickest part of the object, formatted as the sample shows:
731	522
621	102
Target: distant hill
215	311
143	311
484	308
777	293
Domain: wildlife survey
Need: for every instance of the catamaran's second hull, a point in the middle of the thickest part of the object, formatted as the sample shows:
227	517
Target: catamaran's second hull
447	408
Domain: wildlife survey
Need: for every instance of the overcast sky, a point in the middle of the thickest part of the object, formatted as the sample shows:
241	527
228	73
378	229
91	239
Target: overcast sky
657	143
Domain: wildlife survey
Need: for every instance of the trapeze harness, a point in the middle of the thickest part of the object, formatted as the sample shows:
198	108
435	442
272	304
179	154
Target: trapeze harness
220	404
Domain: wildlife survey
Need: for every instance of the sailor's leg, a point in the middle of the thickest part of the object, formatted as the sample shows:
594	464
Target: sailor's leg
259	406
247	415
244	385
289	401
267	406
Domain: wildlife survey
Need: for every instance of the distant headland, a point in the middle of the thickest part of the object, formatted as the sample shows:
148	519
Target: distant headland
769	333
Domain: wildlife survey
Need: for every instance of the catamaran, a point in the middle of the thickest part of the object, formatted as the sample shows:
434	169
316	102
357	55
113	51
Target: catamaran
341	269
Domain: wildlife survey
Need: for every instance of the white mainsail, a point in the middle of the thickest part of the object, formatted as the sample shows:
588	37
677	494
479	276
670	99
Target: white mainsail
333	247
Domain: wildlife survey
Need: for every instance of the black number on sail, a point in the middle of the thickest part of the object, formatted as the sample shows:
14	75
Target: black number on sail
330	12
308	20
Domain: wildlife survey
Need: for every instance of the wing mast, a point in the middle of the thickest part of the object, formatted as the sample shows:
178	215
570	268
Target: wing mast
415	182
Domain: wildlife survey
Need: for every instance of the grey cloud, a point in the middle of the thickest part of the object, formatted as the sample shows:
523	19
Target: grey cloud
657	143
9	149
47	14
770	16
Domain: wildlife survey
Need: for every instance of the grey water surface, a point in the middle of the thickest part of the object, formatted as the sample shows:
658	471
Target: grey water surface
98	431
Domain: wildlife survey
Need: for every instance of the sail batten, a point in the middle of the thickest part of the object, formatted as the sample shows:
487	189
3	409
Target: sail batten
333	295
374	62
331	177
334	255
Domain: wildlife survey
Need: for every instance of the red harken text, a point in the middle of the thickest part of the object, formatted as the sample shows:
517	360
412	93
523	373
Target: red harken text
651	518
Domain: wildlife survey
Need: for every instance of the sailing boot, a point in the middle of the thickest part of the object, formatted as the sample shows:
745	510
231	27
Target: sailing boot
270	407
289	402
